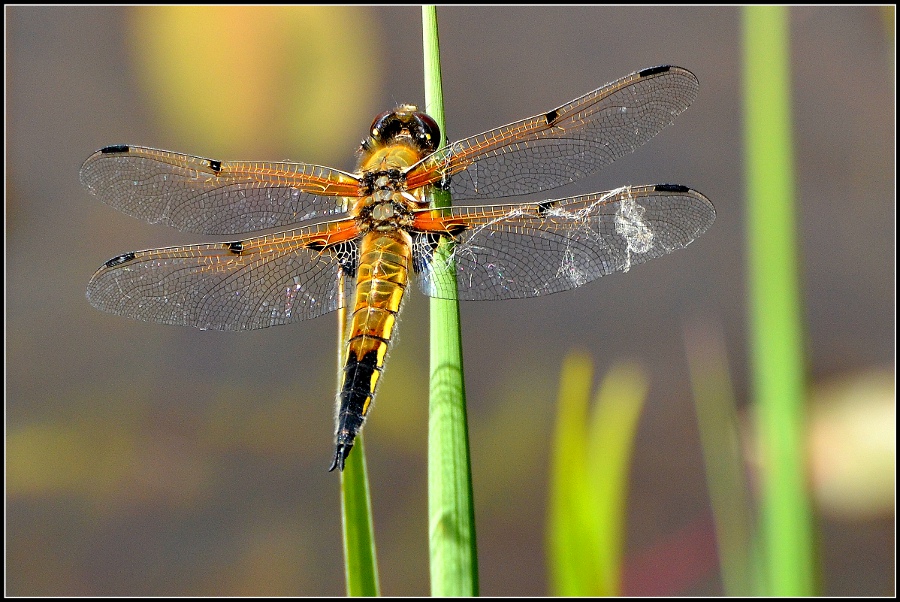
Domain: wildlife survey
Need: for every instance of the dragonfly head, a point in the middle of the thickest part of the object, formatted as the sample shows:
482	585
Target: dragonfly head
407	123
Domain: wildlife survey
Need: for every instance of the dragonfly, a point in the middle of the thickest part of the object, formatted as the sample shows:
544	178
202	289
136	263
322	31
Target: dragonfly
376	229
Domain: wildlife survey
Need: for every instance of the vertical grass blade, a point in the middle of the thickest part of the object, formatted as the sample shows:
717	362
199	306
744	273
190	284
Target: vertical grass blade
360	562
717	422
610	444
589	477
454	559
775	317
566	557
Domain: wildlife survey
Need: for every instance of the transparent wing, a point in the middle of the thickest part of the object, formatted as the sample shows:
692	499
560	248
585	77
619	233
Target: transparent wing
562	145
242	285
214	197
531	249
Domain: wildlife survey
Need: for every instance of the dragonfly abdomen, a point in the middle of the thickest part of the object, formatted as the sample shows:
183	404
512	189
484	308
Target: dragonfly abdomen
382	278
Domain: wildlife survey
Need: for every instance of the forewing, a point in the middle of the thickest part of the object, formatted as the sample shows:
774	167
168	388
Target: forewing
531	249
562	145
214	197
242	285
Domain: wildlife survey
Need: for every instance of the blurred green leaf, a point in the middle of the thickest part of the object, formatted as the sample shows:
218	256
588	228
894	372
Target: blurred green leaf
589	477
776	331
567	476
717	422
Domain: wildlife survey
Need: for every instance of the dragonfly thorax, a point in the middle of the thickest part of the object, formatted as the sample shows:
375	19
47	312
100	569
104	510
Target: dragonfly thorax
389	205
385	210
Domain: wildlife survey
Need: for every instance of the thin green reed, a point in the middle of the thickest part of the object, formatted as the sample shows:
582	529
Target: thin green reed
454	559
776	332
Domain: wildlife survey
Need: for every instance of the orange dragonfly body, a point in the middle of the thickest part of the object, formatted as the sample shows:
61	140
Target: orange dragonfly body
376	227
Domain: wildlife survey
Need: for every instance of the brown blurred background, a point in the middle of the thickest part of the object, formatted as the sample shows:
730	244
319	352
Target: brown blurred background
154	460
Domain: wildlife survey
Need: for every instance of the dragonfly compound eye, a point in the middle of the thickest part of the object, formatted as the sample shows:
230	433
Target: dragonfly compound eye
379	124
428	134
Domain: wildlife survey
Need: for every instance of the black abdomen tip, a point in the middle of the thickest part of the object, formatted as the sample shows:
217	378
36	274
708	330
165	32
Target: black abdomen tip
340	456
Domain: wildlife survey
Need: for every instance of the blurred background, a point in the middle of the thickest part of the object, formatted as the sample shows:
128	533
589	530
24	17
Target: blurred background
153	460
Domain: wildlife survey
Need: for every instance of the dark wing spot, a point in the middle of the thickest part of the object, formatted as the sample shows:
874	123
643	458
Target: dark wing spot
216	166
349	268
551	116
119	260
443	183
544	207
348	257
235	247
670	188
345	252
457	229
426	243
654	70
115	149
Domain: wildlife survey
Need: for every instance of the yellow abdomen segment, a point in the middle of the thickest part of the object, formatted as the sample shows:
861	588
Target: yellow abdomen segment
382	277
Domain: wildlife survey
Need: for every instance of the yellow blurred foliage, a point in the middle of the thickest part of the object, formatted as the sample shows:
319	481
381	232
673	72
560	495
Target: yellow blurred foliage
52	457
247	79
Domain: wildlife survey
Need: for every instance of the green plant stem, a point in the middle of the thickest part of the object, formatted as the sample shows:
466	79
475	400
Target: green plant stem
775	319
454	560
